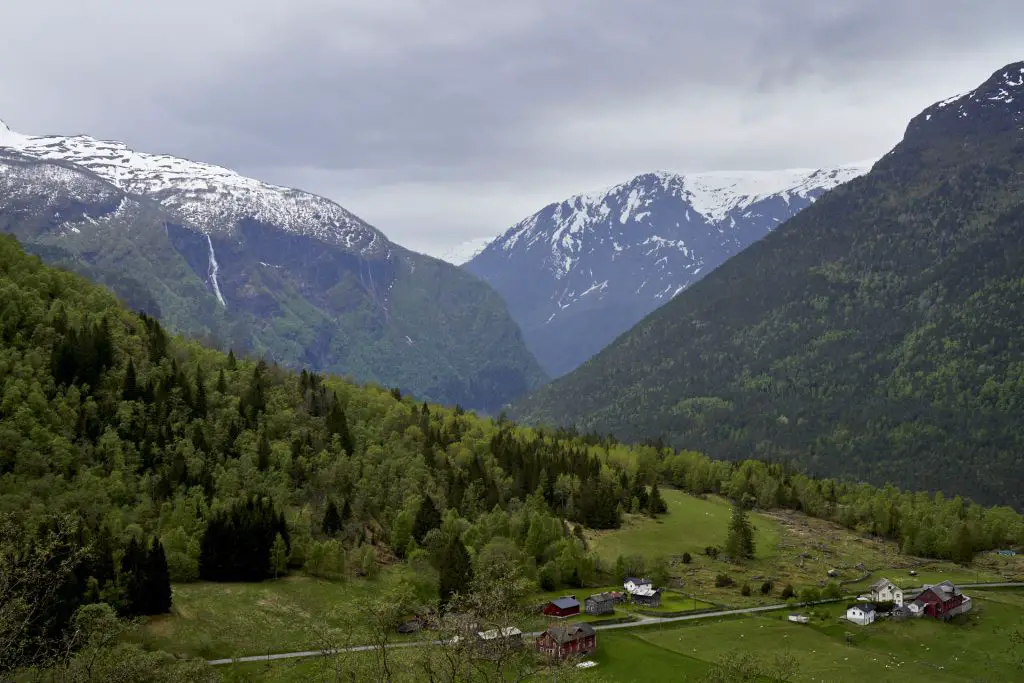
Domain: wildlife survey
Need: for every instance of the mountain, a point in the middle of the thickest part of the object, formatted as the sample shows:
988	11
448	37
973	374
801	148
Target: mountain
876	335
578	273
265	269
464	251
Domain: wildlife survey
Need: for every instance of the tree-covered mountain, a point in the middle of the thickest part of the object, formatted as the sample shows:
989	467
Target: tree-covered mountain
120	441
263	269
580	272
877	335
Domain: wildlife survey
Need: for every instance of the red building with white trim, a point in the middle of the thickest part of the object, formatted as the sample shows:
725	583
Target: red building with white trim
565	640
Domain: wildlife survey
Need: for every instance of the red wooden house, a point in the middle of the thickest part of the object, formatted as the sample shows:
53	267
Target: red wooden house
565	640
563	607
943	601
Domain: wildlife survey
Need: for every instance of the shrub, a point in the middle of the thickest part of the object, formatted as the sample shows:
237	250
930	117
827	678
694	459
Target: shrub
723	581
745	591
832	591
687	558
766	588
811	594
788	592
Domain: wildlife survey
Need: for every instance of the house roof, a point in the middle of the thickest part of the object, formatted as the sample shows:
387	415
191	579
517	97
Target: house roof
863	608
635	580
505	632
567	633
945	590
882	583
565	603
601	597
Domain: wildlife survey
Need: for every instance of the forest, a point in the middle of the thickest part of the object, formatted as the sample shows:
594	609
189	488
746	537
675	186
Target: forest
145	458
874	336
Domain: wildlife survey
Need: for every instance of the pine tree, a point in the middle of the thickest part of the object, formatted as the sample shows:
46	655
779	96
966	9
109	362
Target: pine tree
655	503
222	384
158	588
740	542
963	545
338	424
132	579
456	570
232	362
263	451
279	556
332	520
199	406
427	518
130	389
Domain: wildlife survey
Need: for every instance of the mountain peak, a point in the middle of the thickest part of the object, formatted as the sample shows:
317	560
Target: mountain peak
993	107
210	198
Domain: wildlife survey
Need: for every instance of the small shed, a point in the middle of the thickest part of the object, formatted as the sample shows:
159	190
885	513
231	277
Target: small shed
566	606
799	619
600	603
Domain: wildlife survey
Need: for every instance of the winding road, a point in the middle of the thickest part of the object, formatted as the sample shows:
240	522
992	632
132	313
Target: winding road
642	621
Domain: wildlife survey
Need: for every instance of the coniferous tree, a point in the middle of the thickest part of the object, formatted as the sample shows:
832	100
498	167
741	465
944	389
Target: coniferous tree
132	578
263	451
740	542
130	389
427	518
158	588
199	406
456	569
332	520
655	503
337	424
222	384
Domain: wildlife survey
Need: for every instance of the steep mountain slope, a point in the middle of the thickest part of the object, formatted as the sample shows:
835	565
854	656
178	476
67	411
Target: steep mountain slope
578	273
265	269
878	334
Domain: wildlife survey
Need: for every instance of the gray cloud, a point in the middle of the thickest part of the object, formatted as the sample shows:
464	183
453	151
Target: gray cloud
440	120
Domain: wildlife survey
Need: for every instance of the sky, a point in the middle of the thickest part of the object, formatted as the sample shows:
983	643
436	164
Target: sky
440	121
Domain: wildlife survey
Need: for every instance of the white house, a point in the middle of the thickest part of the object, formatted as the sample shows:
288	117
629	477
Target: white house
635	586
861	614
885	590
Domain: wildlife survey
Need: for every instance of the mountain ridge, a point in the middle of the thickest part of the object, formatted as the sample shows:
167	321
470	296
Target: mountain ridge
581	271
874	336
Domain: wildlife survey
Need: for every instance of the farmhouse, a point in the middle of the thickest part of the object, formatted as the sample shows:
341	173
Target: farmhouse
566	606
861	614
564	640
600	603
885	590
943	601
633	584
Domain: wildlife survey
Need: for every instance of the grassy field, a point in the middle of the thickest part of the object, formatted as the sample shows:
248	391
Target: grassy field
215	620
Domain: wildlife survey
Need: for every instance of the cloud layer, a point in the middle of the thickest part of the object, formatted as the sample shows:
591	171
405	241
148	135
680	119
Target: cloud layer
441	120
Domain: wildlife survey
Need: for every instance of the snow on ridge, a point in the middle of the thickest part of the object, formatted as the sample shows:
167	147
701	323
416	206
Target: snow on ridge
713	195
465	251
210	197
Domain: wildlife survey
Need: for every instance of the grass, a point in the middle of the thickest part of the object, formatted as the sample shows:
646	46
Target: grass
215	620
691	525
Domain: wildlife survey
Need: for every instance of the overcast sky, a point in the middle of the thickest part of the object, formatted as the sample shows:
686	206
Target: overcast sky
444	120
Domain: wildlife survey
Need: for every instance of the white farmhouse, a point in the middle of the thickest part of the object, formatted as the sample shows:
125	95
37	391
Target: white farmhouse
861	614
885	590
634	586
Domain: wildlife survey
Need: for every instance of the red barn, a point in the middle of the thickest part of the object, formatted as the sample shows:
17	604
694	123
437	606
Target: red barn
563	607
564	640
943	601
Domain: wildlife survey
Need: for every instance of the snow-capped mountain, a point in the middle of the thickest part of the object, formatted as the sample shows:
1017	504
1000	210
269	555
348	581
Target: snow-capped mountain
211	198
263	269
464	251
578	273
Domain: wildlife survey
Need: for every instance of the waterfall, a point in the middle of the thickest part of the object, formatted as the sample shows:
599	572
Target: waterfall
213	273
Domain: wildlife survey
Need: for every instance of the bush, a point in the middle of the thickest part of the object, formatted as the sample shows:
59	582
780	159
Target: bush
788	592
745	591
832	591
811	594
711	551
723	581
687	558
766	588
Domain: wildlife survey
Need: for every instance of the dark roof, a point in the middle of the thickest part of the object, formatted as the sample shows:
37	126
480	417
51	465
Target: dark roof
567	633
864	607
601	597
565	603
945	590
635	580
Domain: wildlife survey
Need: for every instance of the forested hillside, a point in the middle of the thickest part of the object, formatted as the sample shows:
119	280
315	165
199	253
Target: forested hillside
117	435
877	335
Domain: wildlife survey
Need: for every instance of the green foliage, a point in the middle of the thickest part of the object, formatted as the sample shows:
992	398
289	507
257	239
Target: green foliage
832	591
745	590
456	570
766	587
871	337
724	581
739	544
788	592
687	558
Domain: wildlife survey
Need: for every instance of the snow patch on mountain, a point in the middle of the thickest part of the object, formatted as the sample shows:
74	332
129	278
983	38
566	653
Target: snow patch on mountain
465	251
210	198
